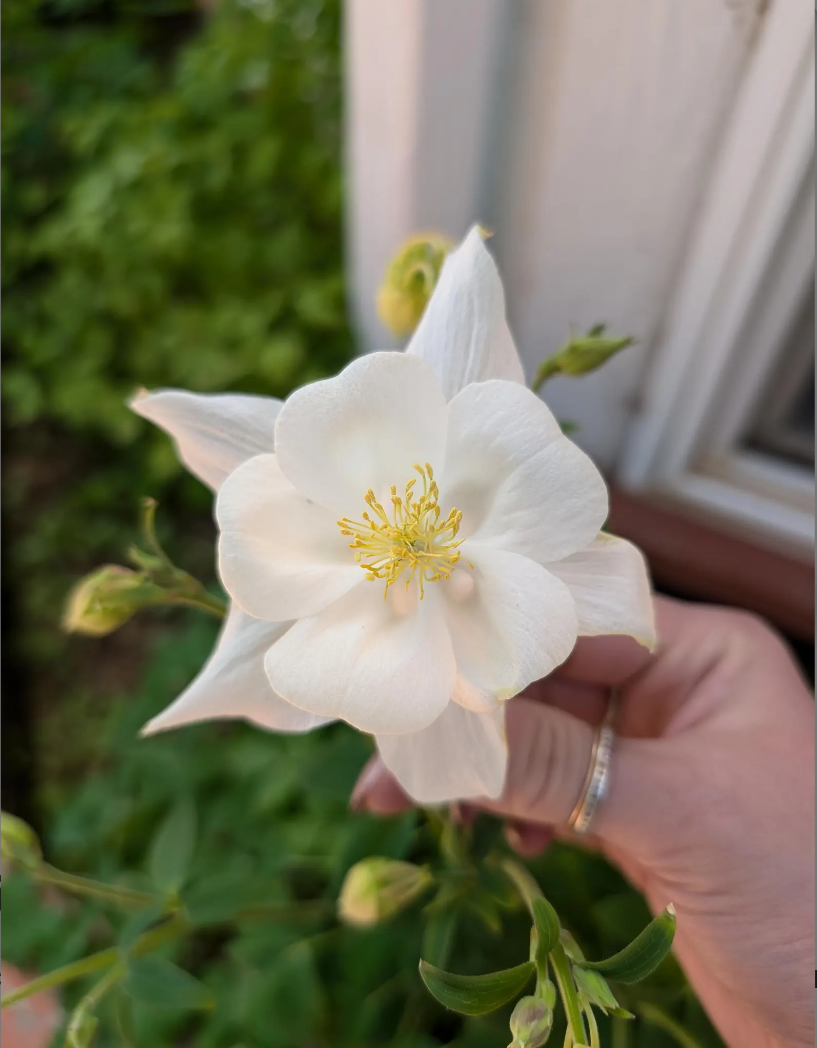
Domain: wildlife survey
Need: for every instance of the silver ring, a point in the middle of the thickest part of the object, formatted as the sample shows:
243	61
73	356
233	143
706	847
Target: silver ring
597	780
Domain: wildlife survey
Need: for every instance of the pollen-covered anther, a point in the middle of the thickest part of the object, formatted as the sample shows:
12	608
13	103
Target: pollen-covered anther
413	540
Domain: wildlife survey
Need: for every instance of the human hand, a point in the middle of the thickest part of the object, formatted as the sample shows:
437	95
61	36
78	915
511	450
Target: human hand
710	807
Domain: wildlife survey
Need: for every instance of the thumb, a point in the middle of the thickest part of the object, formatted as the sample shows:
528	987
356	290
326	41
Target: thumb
549	754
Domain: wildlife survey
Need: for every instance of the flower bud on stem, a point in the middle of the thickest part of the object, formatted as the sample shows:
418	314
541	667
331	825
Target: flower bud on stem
105	599
578	356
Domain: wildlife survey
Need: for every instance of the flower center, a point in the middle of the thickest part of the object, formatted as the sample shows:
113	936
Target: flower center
414	539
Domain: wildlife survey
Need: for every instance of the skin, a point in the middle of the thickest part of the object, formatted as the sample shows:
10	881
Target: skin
711	801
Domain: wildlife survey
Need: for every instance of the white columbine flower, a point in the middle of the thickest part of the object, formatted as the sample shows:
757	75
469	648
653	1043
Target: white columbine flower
407	546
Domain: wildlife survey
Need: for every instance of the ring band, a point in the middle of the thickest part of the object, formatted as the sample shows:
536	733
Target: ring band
597	780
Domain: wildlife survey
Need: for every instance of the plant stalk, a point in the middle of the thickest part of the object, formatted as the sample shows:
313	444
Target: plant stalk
98	961
570	1000
70	882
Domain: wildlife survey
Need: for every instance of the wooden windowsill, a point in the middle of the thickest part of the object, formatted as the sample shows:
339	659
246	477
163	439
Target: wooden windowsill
697	560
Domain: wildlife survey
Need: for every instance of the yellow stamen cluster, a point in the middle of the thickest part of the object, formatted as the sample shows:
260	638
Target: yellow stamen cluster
413	540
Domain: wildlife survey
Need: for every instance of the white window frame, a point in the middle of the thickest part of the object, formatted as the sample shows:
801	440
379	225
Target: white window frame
744	278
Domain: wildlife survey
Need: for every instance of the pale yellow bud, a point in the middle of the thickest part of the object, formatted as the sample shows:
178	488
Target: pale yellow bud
18	842
531	1022
377	888
102	601
410	280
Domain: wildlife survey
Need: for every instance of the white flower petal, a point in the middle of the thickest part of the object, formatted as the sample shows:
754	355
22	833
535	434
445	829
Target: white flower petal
365	663
470	697
463	333
233	683
610	584
519	482
518	624
213	433
280	556
364	429
462	755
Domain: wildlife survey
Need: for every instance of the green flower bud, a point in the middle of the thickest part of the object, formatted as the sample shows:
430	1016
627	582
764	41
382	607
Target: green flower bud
531	1022
410	279
586	354
594	988
102	601
18	842
376	889
578	356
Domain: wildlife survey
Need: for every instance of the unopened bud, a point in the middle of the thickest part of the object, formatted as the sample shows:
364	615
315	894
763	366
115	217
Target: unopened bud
586	354
18	842
102	601
581	355
376	889
410	280
594	987
531	1022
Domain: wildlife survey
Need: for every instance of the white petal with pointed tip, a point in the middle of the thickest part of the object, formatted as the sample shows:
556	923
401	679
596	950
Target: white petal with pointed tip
462	755
610	584
213	432
518	625
519	482
280	556
364	429
233	683
463	333
366	663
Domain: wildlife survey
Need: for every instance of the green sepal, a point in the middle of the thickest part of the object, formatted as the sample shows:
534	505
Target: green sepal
636	961
593	986
475	994
156	981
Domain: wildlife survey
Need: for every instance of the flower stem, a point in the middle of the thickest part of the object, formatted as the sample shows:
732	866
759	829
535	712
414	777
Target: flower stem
570	1000
593	1027
652	1014
70	882
523	881
204	601
87	1005
547	369
98	961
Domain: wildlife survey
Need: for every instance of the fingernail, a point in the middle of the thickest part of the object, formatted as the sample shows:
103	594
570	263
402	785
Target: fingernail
363	786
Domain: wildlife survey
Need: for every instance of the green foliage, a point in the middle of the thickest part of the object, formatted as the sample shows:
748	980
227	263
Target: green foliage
475	994
172	209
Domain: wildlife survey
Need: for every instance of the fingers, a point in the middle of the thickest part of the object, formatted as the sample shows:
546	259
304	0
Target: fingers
549	753
377	791
548	757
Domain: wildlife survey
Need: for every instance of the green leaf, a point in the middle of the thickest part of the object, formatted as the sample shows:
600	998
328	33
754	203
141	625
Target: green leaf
636	961
438	936
546	922
156	981
138	923
475	994
173	846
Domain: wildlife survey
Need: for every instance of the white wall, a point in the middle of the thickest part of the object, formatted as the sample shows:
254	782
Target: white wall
583	132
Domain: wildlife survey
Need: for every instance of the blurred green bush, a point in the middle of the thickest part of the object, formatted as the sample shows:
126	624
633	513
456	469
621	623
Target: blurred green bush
172	205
